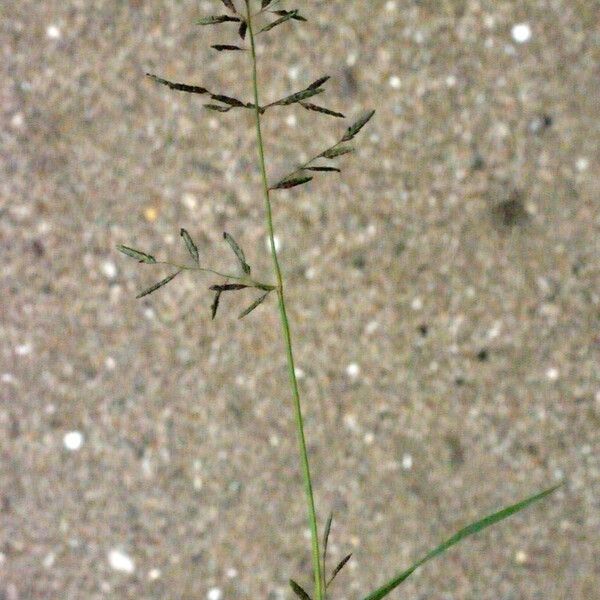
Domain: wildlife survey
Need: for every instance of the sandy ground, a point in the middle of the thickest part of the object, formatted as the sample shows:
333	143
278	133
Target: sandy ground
444	292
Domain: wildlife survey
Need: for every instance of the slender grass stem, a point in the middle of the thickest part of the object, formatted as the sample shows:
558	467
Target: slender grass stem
312	516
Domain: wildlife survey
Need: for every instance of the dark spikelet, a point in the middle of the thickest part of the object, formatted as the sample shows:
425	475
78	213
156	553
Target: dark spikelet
290	15
229	4
239	253
218	107
319	82
158	285
228	287
228	100
356	127
215	20
190	245
299	591
253	306
291	182
181	87
293	14
243	29
215	305
221	47
322	109
265	3
140	256
298	96
340	566
324	169
337	151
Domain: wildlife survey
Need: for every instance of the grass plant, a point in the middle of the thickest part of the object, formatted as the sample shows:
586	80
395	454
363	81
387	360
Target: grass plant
254	18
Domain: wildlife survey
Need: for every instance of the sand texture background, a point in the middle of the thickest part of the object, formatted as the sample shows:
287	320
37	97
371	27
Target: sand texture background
444	294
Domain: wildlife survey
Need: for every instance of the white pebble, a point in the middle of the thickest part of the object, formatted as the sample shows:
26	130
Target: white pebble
120	561
300	374
23	349
417	303
53	32
214	594
109	269
49	560
8	378
154	574
582	164
353	370
231	573
17	121
291	121
73	440
521	557
390	6
189	201
521	32
552	373
110	363
395	82
407	462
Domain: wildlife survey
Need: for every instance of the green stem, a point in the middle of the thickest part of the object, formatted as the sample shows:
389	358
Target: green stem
312	516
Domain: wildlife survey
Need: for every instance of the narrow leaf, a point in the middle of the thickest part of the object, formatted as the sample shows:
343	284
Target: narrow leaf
285	184
321	109
189	243
319	82
337	151
340	566
243	29
290	15
253	306
299	591
238	252
222	47
457	537
216	19
354	129
141	256
324	169
182	87
293	98
326	538
158	285
215	305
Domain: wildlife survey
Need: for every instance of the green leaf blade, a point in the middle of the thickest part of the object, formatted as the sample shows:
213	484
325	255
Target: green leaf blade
463	533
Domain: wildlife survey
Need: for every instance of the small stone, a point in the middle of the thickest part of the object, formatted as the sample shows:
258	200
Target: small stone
109	269
73	440
23	349
214	593
231	573
353	370
521	32
552	373
582	164
291	121
521	557
407	462
395	82
154	574
189	201
53	32
150	214
119	561
417	303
